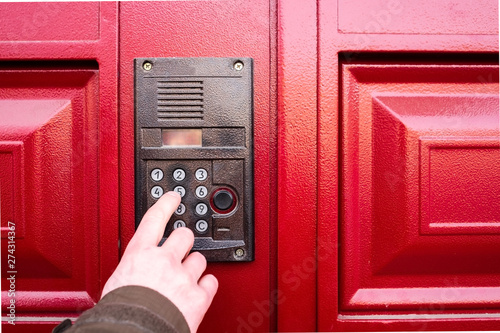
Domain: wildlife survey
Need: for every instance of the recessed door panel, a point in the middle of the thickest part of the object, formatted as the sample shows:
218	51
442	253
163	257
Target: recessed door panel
420	197
49	179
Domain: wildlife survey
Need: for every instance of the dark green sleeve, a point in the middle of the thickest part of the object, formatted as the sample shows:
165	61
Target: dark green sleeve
130	309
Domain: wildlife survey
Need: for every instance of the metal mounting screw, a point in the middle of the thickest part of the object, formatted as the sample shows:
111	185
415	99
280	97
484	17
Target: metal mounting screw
239	252
238	65
147	66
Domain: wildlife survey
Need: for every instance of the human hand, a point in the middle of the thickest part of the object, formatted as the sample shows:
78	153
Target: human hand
164	268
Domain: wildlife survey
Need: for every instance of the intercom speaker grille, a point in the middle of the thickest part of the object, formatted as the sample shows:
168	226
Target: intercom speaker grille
180	99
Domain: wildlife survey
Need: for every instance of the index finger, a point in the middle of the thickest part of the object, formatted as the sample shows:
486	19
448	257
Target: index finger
152	226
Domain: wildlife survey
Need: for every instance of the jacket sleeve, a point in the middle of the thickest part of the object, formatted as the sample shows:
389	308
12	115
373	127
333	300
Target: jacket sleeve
129	309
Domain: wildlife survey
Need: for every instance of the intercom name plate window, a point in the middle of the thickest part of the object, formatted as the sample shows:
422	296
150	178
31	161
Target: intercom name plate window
194	135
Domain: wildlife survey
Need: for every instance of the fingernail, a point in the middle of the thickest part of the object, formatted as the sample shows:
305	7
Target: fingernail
173	194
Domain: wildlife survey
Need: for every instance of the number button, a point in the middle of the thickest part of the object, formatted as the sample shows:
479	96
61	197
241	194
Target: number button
180	210
201	209
201	192
179	224
201	174
201	226
156	175
179	175
181	190
156	192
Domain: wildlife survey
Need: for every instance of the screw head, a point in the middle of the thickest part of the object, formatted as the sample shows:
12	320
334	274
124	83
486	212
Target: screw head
147	66
239	253
238	65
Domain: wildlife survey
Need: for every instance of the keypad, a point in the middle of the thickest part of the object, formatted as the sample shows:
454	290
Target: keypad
193	181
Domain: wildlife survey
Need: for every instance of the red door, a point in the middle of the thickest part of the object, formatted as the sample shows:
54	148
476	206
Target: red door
376	149
211	29
408	166
58	159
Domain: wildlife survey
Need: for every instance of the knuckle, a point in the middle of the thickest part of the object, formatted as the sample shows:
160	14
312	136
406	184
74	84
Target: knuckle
200	258
183	232
169	259
188	233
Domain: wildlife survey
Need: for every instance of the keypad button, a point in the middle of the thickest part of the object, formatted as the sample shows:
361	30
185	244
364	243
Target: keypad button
201	192
201	174
223	199
180	210
181	190
201	226
201	209
179	224
156	175
179	175
156	192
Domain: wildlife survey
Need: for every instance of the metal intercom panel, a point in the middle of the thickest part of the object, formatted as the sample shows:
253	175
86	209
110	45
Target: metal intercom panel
194	135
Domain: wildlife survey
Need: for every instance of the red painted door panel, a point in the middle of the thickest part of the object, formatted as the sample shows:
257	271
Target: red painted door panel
376	157
58	159
46	116
420	189
408	146
50	21
424	17
211	29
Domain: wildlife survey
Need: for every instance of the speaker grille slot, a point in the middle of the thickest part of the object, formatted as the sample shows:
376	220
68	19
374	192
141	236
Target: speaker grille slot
180	99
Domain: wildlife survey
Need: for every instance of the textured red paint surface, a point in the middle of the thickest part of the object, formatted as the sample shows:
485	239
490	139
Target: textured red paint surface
394	134
49	21
424	17
59	118
296	165
382	269
209	29
50	245
376	137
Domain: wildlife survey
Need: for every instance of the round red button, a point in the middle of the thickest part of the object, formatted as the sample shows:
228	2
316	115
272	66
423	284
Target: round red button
223	200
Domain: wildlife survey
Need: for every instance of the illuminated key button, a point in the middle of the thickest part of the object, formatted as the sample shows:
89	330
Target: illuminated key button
181	190
179	174
201	209
180	210
201	226
201	174
156	192
156	175
179	224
